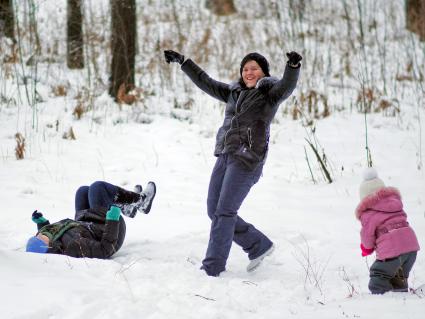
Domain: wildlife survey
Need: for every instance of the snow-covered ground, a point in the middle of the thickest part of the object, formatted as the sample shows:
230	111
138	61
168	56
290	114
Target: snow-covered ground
316	270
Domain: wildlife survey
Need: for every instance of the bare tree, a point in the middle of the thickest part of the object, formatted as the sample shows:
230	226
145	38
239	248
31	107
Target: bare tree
7	18
415	17
123	42
221	7
75	54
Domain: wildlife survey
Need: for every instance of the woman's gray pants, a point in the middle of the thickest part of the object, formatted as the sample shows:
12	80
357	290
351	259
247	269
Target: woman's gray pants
229	185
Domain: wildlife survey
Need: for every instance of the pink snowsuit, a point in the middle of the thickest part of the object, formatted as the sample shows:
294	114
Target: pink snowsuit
384	224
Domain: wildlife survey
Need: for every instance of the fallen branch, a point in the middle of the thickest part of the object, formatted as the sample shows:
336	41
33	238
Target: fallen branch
206	298
325	170
309	167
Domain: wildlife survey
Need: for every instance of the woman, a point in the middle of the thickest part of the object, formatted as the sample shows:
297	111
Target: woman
98	229
241	149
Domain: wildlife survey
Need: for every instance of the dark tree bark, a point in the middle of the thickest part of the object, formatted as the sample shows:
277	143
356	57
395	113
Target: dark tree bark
7	18
415	17
221	7
75	44
123	42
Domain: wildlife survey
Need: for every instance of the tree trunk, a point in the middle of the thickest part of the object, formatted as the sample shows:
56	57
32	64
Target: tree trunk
221	7
123	42
75	53
415	17
7	19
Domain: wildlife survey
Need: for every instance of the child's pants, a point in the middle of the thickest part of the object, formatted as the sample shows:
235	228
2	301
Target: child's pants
391	274
99	196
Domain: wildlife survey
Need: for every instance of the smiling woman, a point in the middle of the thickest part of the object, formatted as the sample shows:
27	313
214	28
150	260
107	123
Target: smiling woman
253	67
241	150
251	73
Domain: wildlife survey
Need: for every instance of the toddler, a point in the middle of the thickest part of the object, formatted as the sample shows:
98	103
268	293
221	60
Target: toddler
386	231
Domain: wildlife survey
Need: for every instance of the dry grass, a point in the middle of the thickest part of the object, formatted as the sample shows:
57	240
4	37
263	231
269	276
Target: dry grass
20	146
79	110
70	135
129	94
60	90
315	103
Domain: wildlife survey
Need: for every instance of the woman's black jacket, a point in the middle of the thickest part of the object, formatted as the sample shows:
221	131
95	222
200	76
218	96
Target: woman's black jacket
248	112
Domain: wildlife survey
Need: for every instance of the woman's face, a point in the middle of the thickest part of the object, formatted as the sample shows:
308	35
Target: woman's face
251	73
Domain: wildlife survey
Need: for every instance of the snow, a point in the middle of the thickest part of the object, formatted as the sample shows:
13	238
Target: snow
313	271
316	269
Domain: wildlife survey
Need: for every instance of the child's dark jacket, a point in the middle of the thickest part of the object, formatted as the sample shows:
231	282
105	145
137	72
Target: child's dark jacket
89	235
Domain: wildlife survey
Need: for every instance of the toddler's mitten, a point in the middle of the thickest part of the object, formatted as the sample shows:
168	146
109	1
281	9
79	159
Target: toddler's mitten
366	251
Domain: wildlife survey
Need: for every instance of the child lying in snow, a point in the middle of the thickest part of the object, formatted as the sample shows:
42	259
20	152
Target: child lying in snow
385	230
98	229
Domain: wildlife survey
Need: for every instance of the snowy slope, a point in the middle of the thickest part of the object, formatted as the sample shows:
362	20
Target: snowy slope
156	273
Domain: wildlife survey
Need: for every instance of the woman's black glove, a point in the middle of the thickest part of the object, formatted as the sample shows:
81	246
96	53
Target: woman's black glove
294	59
173	56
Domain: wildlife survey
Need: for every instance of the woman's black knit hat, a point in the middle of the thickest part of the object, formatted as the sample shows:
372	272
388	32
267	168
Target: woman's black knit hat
257	57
